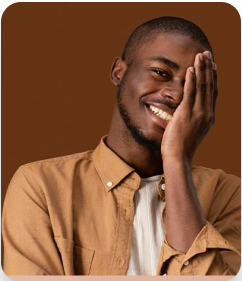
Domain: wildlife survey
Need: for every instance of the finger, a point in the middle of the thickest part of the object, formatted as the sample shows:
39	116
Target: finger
215	91
209	83
200	82
189	89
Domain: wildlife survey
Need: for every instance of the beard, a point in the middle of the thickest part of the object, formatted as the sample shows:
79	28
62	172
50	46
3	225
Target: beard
137	133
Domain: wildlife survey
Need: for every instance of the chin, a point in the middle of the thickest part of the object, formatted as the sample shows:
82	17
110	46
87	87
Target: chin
146	140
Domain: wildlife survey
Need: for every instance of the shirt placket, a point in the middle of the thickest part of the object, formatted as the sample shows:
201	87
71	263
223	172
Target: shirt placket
161	192
124	194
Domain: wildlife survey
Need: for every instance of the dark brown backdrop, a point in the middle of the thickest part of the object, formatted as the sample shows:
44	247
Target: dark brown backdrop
56	95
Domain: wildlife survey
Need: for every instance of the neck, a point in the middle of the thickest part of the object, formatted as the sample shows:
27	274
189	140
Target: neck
146	163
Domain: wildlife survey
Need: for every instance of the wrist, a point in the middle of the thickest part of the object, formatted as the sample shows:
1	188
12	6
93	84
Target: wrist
177	160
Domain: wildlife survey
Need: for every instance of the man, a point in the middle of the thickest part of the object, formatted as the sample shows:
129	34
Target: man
100	212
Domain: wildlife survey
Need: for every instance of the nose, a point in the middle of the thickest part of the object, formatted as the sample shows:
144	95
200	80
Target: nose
174	91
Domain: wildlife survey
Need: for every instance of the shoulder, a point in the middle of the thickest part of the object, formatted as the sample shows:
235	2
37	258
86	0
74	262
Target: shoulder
216	182
50	173
218	192
86	155
219	175
66	162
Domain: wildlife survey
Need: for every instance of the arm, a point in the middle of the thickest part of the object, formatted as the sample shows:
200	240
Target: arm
29	247
216	248
186	226
183	211
187	128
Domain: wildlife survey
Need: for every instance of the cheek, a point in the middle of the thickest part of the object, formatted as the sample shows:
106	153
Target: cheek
138	87
148	84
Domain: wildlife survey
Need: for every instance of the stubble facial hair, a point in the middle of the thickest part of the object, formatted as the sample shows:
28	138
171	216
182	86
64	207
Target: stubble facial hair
135	131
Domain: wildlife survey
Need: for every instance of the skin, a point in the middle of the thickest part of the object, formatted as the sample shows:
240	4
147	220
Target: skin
186	88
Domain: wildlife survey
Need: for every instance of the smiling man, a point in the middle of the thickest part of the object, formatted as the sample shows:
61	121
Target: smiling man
135	205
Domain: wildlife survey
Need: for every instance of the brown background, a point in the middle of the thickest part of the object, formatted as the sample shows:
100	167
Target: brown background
57	98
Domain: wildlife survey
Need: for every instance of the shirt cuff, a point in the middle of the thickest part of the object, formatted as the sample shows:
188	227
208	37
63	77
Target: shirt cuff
207	238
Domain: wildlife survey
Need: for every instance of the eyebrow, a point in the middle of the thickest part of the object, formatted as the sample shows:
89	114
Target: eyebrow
166	61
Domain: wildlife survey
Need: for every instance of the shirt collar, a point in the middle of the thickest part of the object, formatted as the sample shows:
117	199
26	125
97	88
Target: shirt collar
110	167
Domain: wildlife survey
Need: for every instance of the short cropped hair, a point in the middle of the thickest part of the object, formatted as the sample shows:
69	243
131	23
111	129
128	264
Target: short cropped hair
147	31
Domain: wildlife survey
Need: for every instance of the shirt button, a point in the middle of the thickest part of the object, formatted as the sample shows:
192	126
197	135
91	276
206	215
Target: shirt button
186	263
120	261
109	184
163	187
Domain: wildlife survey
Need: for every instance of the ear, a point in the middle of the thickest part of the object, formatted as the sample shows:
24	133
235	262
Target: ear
117	71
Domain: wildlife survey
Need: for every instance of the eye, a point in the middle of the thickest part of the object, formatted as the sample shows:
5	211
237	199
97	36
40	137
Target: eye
161	73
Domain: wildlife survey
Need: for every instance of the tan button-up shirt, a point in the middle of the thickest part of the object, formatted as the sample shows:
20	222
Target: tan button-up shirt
73	215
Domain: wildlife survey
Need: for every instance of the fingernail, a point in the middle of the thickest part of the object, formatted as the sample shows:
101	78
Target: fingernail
192	69
209	55
214	66
201	57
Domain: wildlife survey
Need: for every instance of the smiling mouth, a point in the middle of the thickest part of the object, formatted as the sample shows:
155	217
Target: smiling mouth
160	113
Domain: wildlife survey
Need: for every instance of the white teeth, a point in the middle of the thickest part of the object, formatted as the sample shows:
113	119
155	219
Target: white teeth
164	115
160	113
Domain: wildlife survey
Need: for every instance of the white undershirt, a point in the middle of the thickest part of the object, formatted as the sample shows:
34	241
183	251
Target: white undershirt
147	229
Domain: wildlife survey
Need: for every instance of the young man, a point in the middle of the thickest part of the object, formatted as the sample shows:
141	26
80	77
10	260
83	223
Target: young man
135	205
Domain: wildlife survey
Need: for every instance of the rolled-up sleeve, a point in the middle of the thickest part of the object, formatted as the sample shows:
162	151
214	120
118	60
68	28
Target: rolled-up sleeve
216	249
204	257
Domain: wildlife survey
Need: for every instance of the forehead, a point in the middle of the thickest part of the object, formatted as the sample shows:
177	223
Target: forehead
178	48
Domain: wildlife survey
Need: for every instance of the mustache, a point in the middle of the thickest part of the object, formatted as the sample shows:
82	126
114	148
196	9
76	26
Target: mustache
167	102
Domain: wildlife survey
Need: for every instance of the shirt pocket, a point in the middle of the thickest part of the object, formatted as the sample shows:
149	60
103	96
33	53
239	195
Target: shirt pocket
65	247
76	260
82	260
